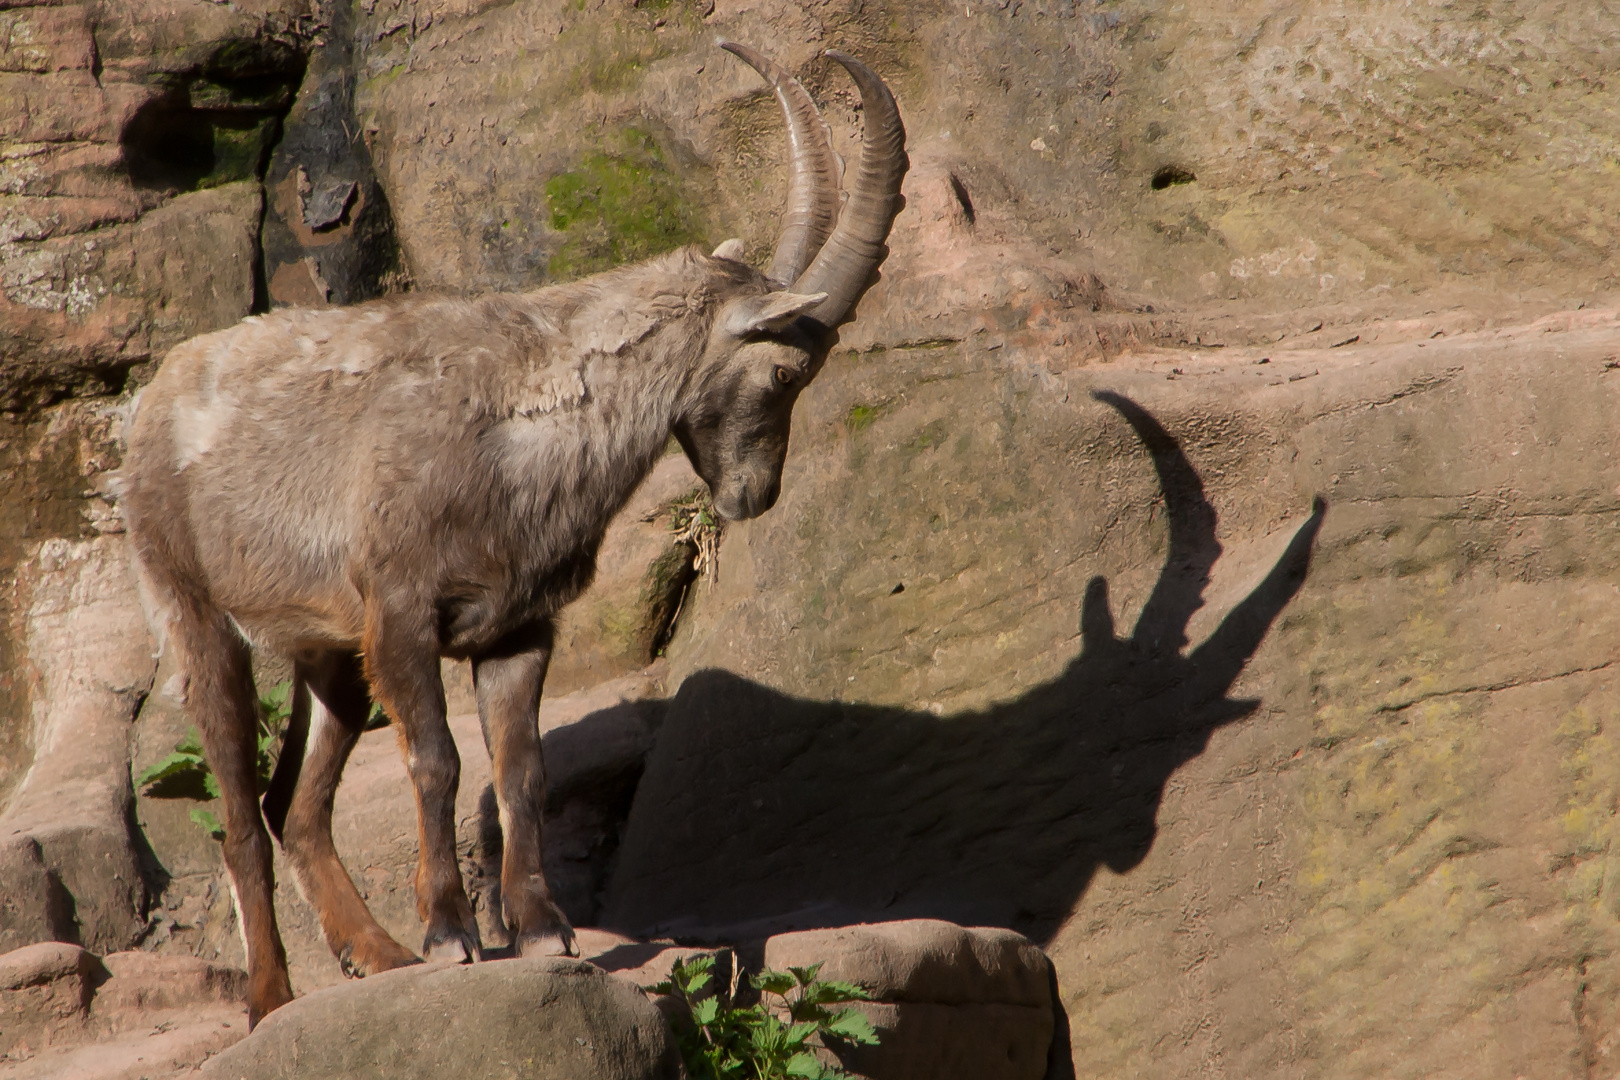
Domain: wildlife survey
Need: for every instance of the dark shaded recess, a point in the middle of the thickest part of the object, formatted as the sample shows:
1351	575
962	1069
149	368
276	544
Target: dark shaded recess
155	877
1170	175
583	821
215	125
343	221
664	596
761	812
963	200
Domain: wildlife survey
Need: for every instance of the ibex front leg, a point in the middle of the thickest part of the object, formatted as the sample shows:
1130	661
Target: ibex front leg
402	664
508	680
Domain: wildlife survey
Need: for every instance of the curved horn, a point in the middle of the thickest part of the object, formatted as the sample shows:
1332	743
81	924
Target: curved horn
843	267
814	170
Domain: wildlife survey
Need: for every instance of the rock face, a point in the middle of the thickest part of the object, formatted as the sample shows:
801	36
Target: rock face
554	1018
1119	720
68	863
131	138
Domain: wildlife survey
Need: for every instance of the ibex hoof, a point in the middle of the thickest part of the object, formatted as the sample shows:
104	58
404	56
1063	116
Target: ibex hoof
369	956
557	942
455	946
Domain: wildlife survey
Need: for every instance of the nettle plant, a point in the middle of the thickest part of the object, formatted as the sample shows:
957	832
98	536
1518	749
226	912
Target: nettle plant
184	774
773	1039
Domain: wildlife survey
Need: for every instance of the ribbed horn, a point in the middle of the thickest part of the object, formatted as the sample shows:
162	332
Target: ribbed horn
814	169
843	268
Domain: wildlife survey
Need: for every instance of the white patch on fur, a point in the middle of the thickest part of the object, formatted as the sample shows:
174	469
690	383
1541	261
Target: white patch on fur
611	331
241	926
200	418
240	629
176	687
356	359
159	615
505	817
198	426
298	887
546	391
320	718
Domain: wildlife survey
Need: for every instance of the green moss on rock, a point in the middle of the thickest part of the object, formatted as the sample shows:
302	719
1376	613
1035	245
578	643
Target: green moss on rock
618	204
240	150
859	417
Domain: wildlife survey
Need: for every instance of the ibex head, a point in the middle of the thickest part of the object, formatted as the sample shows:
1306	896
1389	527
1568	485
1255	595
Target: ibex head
768	342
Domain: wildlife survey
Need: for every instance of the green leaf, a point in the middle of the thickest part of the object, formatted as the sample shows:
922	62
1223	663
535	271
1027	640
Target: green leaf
805	975
274	700
211	785
191	744
773	982
833	992
798	1033
852	1025
705	1011
173	765
209	823
804	1066
684	969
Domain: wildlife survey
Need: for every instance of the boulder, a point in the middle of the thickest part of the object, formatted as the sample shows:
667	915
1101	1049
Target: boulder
536	1019
950	1003
34	904
66	1014
922	960
45	993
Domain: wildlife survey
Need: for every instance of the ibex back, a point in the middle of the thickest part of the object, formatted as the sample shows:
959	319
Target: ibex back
371	488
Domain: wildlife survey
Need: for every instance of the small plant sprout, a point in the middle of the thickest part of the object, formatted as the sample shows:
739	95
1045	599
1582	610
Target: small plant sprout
184	774
768	1040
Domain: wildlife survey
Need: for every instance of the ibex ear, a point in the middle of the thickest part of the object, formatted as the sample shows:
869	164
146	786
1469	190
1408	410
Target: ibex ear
730	249
773	311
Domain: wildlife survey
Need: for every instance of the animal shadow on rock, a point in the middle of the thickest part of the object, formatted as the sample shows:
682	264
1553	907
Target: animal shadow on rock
761	812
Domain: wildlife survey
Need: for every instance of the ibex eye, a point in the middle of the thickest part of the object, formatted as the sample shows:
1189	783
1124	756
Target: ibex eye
784	376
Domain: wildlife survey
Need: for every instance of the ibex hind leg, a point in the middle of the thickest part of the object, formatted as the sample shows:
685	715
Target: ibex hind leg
401	651
223	704
330	706
508	680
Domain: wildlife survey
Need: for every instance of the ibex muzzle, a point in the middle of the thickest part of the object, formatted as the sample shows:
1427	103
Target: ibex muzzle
368	489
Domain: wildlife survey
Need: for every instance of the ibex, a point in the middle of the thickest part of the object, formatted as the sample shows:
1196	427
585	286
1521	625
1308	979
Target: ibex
367	489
